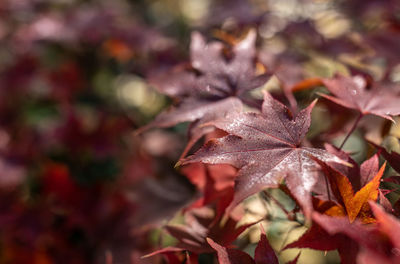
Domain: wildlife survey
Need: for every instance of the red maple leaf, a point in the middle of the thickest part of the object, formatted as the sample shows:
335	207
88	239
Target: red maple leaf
393	158
356	243
216	182
200	224
212	86
267	149
353	93
264	253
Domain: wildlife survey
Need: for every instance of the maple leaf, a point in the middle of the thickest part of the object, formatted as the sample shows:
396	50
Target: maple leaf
378	243
350	203
319	239
385	203
200	224
352	92
357	175
232	76
393	158
230	256
192	109
264	253
387	224
211	75
266	148
352	172
211	87
355	242
216	182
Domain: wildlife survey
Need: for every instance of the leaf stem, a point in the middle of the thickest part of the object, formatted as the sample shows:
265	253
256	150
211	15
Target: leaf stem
351	130
269	196
327	187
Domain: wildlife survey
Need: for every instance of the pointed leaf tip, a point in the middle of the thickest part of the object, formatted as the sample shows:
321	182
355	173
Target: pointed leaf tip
230	256
178	164
294	261
368	193
313	103
264	253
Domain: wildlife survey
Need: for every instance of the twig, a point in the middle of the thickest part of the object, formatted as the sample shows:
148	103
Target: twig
351	130
269	196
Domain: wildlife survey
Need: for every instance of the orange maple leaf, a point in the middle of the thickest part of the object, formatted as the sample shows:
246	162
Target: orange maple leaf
349	203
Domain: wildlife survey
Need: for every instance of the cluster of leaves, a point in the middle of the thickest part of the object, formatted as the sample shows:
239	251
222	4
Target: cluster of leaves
253	144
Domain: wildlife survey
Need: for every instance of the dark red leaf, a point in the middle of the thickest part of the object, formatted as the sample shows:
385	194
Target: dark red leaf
212	87
230	256
353	93
267	149
393	157
216	182
294	261
264	253
192	110
378	243
201	223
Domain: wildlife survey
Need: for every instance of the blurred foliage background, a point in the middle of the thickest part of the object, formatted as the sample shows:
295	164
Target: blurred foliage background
76	184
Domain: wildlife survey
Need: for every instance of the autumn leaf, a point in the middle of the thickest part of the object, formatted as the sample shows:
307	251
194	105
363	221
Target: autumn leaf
377	243
387	224
356	174
319	239
267	149
353	93
294	261
368	193
230	256
393	158
264	253
211	87
227	76
210	79
350	203
352	172
216	182
355	242
202	223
